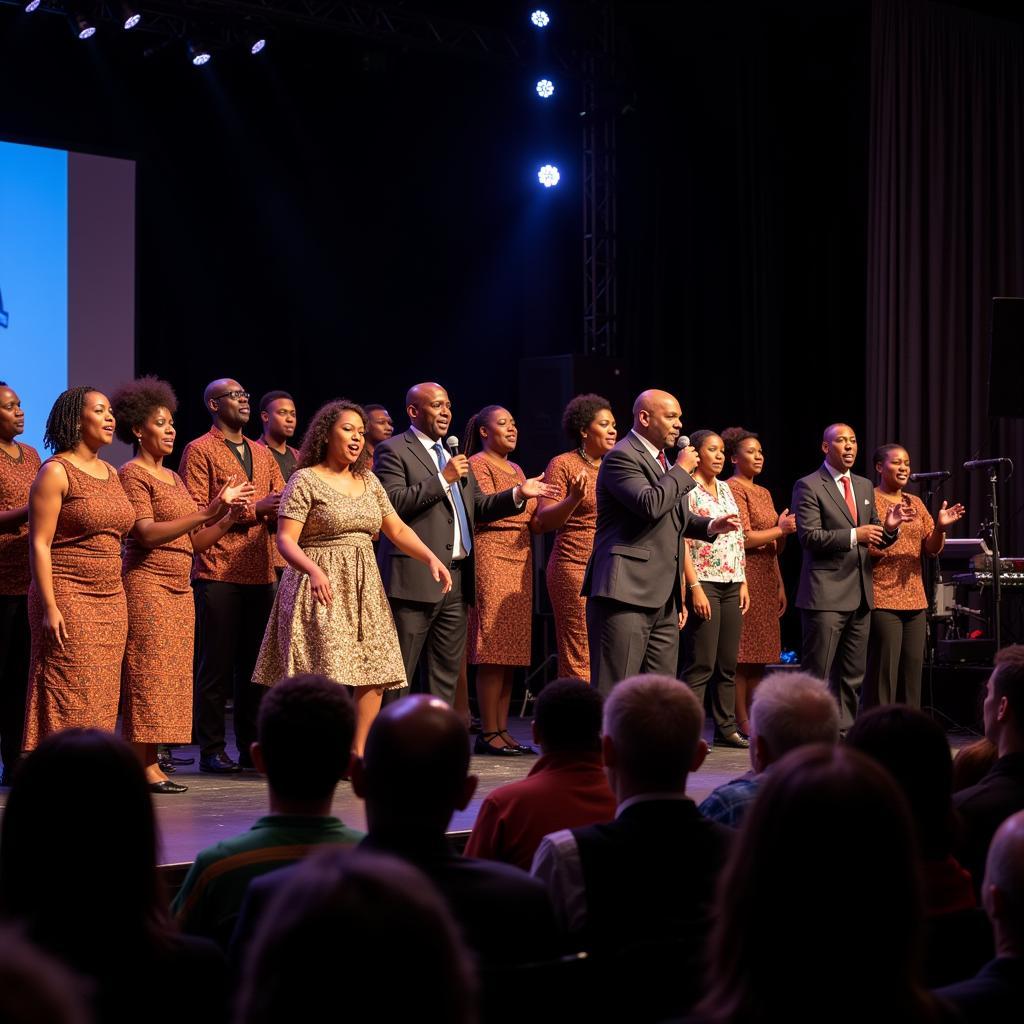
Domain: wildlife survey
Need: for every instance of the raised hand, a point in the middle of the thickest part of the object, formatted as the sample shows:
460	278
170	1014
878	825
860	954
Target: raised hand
948	516
725	524
536	488
240	493
787	522
898	514
688	459
267	507
456	468
578	487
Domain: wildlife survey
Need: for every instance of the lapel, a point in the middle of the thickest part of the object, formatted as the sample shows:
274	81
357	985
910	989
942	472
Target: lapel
830	486
651	468
420	452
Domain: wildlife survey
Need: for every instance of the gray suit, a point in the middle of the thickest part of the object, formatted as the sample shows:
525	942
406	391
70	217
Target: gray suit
423	616
632	582
835	596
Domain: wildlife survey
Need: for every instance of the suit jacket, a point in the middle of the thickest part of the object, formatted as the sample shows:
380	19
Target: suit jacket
411	480
641	521
994	994
833	576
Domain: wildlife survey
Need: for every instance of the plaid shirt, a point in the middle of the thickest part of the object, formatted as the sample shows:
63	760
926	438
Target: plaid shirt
730	801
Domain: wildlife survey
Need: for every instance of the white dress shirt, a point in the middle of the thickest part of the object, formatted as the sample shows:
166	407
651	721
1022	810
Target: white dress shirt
459	549
838	477
651	450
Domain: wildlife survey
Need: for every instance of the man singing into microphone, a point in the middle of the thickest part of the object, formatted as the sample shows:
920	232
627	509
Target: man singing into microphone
633	579
434	491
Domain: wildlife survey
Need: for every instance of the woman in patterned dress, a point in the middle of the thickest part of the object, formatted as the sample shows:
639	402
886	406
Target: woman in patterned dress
330	614
500	623
156	704
716	591
78	513
764	535
590	426
897	639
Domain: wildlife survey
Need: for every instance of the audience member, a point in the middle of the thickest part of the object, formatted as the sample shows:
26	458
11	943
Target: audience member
996	994
339	911
636	890
789	710
566	788
305	729
972	762
80	878
35	988
984	806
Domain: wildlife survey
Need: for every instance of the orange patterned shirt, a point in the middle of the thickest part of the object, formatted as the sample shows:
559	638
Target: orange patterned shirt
896	576
16	476
245	553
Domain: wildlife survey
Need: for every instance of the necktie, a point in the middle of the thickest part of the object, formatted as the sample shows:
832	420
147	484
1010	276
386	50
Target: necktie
662	461
456	495
850	504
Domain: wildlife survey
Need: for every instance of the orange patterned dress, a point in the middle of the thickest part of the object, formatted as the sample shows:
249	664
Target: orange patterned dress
574	542
79	684
157	699
16	476
501	621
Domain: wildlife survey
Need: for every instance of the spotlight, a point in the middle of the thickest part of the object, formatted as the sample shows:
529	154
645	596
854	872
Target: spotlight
32	5
548	176
258	45
545	88
131	17
540	18
83	28
199	55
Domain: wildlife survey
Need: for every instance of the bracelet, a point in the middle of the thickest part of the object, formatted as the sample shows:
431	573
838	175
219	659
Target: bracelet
691	586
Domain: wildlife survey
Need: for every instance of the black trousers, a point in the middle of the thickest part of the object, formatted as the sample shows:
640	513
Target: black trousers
626	640
711	649
436	631
231	619
15	643
895	657
835	648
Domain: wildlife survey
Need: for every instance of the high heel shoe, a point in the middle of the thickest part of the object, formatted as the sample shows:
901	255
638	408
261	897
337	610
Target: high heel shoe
483	745
523	748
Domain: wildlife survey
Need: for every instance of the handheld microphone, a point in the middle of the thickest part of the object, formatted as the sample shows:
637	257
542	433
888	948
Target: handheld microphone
939	474
451	442
985	463
682	441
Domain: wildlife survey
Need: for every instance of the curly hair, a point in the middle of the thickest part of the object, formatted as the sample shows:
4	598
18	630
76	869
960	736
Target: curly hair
734	437
318	433
580	413
64	424
471	437
133	403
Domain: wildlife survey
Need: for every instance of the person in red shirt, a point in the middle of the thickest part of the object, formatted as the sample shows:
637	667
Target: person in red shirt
566	788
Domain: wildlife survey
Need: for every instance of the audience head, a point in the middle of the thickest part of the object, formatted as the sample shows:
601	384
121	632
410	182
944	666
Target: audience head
227	402
589	424
379	426
414	772
336	431
144	410
36	989
1002	892
304	735
343	907
790	710
652	735
915	752
493	428
972	763
277	411
80	415
429	410
743	450
12	416
1003	710
79	874
710	452
839	445
567	718
658	418
824	870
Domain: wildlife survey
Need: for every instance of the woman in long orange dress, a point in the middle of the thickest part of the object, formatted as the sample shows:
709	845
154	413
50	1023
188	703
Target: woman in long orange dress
500	623
589	424
78	514
169	527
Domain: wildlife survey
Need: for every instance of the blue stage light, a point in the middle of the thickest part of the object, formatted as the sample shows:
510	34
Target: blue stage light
258	46
545	88
32	5
540	18
83	28
199	55
130	16
548	176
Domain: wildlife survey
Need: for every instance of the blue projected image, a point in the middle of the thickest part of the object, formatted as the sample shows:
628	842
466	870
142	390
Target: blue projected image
34	279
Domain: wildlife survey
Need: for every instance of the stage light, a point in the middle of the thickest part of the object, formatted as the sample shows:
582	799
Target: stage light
131	17
540	18
84	29
258	46
32	5
548	176
199	55
545	88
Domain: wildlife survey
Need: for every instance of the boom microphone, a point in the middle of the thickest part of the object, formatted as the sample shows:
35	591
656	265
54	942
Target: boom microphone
985	463
939	474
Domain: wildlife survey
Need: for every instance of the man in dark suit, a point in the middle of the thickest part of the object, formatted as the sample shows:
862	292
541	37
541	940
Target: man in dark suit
633	581
436	494
835	523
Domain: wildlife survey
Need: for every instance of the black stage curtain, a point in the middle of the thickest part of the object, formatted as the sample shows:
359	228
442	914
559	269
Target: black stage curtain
945	234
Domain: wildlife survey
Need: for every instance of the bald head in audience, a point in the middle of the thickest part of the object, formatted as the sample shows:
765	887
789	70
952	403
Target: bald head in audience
1002	892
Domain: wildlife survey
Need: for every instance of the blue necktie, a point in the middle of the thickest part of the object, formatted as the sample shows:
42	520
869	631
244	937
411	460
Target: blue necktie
456	492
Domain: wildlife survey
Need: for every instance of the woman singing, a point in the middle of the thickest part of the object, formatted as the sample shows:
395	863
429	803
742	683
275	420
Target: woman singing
896	644
331	615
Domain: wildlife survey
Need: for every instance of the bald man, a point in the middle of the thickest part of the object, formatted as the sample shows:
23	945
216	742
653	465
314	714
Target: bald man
633	581
436	494
835	523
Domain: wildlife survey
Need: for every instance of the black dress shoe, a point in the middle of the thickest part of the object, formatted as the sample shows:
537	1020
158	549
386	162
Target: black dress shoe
167	787
218	764
734	739
483	745
165	763
523	748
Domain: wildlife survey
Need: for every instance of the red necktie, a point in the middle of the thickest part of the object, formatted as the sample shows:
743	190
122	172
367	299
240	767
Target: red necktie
848	491
662	461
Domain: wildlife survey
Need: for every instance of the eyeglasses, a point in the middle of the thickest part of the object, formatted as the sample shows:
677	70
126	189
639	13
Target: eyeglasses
234	395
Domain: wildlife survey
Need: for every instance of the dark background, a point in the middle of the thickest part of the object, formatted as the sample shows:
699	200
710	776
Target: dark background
342	217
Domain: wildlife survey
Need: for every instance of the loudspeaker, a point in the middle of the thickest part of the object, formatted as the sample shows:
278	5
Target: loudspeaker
1006	358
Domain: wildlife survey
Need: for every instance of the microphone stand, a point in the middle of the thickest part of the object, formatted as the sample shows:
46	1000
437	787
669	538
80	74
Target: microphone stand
997	583
928	570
